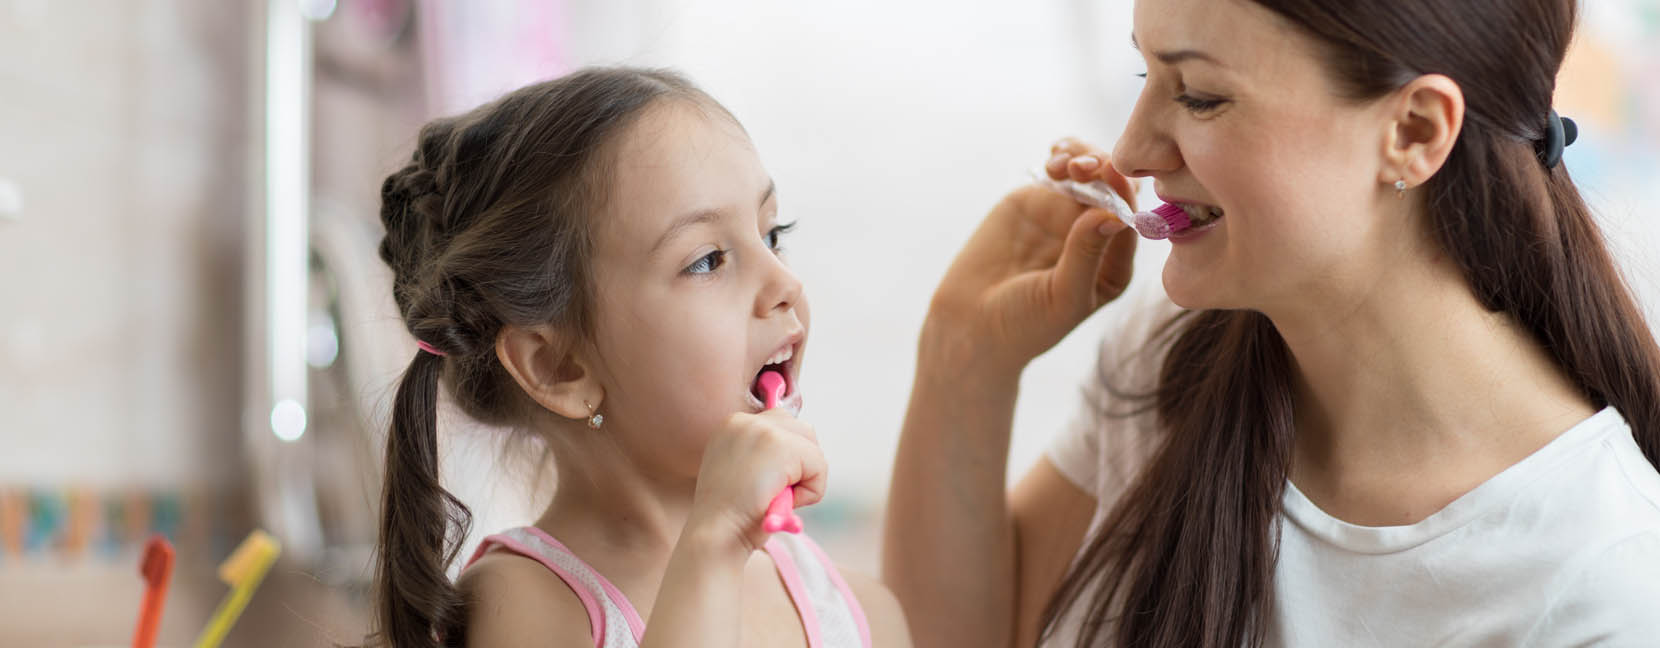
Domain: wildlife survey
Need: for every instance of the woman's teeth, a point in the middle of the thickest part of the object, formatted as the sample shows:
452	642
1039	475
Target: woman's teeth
782	355
1201	214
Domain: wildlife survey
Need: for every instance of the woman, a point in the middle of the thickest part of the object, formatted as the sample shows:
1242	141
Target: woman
1410	400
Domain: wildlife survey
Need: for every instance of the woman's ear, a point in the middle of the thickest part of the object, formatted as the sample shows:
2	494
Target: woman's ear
548	368
1425	118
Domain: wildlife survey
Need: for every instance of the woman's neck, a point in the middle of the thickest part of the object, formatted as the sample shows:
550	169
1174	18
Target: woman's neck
1413	393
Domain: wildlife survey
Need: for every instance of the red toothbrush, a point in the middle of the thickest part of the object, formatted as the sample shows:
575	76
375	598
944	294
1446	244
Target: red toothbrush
157	569
781	512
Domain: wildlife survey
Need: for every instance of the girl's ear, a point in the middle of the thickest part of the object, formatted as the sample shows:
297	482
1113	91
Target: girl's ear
544	363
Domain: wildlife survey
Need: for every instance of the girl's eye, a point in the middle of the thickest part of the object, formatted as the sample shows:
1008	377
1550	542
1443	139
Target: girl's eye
1199	106
709	263
775	237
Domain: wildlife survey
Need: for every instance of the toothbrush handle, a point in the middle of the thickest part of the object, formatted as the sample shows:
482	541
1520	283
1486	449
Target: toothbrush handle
1096	193
781	513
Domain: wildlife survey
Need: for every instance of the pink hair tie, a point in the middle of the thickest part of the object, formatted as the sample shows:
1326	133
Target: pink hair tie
429	348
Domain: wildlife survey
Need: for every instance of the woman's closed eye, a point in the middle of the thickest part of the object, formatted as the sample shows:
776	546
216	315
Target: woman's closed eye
1199	105
1195	105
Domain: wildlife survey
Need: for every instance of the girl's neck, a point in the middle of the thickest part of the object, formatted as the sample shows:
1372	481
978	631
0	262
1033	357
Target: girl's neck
606	506
1416	382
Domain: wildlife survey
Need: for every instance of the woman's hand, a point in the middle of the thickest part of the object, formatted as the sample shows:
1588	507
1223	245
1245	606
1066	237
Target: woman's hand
1038	265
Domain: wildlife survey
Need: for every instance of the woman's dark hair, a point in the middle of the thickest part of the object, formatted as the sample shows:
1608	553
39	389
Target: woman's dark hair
1186	558
488	225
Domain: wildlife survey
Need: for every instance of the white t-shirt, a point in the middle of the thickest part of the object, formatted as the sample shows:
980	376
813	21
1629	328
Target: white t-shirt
1561	549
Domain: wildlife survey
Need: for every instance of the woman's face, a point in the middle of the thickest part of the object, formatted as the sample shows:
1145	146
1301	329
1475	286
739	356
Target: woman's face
1239	114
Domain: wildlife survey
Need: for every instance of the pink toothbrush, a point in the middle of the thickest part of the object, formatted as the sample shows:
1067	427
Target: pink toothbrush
781	512
1158	224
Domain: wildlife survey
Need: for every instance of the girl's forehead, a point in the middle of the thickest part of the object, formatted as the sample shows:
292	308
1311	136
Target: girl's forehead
676	160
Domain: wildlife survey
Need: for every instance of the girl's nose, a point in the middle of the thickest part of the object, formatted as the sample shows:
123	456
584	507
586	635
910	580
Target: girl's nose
781	292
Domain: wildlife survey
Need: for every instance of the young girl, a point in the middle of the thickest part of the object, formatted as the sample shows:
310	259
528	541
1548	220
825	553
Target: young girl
594	262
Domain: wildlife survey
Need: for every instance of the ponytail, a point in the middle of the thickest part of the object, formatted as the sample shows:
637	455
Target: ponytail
421	524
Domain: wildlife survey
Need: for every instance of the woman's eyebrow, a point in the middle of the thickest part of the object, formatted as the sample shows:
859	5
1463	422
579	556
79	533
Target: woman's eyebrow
1172	58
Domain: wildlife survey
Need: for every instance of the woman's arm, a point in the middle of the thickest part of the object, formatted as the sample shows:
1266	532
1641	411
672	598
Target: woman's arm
949	548
1051	515
1037	267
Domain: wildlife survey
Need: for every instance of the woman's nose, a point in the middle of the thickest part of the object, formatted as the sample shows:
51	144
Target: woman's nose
1145	149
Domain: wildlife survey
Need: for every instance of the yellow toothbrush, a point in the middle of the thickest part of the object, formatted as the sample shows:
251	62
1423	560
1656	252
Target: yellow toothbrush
243	571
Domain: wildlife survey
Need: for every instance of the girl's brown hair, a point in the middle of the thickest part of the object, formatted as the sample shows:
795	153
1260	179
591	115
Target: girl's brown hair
1187	556
488	225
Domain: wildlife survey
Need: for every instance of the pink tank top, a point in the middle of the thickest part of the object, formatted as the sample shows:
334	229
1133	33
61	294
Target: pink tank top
829	612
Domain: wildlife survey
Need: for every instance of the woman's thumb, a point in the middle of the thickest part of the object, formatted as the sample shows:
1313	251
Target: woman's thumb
1079	267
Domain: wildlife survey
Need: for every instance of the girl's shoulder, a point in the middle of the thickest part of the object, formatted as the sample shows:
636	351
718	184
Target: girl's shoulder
888	628
513	600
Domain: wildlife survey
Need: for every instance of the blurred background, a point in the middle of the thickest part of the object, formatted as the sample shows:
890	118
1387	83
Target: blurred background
197	337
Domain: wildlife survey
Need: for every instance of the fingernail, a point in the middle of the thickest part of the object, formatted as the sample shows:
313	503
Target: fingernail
1087	162
1058	160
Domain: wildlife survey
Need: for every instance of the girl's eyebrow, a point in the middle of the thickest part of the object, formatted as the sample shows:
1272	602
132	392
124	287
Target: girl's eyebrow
1172	58
703	216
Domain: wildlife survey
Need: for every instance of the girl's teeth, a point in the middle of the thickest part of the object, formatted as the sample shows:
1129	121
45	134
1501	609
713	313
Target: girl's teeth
781	356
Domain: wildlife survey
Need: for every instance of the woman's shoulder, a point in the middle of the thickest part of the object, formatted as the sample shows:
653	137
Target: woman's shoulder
1610	597
513	600
1139	333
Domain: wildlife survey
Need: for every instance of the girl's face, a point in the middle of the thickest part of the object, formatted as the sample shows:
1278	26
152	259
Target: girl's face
1239	114
694	298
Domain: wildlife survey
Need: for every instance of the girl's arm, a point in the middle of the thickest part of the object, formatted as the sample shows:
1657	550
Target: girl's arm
1036	268
744	466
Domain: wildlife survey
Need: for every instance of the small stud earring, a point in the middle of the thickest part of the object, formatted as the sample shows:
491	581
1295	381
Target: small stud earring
596	419
1400	189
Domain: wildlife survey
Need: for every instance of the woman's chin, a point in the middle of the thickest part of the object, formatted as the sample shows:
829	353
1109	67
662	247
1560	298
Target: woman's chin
1190	287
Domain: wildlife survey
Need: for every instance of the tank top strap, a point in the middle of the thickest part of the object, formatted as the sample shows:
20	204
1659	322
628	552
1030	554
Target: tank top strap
611	618
829	611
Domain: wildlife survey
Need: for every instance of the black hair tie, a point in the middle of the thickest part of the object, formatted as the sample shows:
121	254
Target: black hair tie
1559	133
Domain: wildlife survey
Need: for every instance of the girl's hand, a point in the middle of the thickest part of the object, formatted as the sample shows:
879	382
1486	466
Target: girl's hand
746	464
1038	265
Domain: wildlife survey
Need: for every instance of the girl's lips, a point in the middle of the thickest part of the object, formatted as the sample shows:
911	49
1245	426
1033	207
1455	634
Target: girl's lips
790	403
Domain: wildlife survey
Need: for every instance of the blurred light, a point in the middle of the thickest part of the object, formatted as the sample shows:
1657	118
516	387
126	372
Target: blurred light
11	200
288	420
322	342
317	10
287	197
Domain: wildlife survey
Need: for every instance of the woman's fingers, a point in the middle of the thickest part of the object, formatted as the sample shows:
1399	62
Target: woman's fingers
1118	264
1078	272
1073	160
